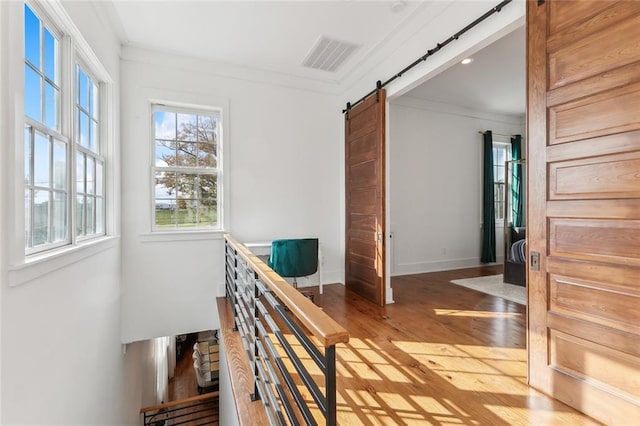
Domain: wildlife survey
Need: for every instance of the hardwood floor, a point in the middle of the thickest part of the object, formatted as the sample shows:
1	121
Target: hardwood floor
441	354
182	386
183	383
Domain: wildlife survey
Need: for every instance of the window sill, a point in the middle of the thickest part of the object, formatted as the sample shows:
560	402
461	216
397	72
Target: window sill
38	265
180	235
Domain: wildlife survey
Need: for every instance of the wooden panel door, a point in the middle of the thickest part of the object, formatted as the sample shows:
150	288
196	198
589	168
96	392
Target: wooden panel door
365	198
583	117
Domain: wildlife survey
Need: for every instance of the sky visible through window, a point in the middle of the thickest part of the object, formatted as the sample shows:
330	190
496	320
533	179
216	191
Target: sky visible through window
186	166
52	152
41	81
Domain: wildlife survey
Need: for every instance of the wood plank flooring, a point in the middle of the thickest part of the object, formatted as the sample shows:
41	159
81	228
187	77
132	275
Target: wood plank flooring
441	354
183	383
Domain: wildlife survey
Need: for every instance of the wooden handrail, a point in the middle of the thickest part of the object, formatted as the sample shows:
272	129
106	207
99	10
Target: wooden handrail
203	397
322	326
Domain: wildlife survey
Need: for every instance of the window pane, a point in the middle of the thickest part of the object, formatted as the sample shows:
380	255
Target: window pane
80	215
206	128
42	160
93	136
50	53
499	158
99	215
27	155
187	154
187	186
99	178
207	155
31	37
90	173
165	185
59	165
165	153
165	125
207	213
32	95
59	217
207	136
165	214
84	130
83	89
208	187
80	172
51	102
27	218
187	127
90	215
187	213
93	107
40	218
208	205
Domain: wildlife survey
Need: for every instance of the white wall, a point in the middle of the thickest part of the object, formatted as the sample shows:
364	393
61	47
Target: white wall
62	361
282	147
436	184
5	113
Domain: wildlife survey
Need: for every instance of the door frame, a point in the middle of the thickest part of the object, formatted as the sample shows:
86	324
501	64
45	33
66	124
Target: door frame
504	24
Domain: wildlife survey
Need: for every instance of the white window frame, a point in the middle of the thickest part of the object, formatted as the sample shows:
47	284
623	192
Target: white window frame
61	134
97	155
23	265
218	171
507	147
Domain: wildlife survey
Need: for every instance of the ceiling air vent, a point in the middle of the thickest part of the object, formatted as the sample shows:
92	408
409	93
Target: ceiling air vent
328	54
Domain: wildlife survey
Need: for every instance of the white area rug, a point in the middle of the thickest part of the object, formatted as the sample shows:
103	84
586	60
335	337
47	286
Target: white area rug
494	286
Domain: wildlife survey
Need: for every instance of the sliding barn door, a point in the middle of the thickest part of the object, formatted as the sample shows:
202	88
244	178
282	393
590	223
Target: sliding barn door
584	205
365	198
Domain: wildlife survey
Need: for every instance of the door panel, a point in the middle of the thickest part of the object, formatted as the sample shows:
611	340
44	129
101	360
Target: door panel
582	57
603	114
583	108
365	192
606	177
598	302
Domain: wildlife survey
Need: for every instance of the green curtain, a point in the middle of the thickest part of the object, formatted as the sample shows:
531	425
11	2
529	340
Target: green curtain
517	212
488	206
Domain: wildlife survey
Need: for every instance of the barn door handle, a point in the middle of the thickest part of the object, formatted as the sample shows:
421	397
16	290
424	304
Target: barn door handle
535	261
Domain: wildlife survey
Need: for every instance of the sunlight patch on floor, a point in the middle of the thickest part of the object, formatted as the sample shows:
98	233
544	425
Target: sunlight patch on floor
476	314
369	361
469	367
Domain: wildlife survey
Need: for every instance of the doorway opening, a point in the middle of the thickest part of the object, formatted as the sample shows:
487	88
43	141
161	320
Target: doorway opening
436	161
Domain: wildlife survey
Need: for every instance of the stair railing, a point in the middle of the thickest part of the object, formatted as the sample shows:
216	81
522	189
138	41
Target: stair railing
289	341
198	410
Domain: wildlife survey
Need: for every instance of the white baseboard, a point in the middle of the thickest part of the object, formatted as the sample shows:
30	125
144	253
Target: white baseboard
439	265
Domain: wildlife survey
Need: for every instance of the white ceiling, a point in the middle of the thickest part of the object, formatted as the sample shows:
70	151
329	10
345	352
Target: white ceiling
273	36
276	37
495	81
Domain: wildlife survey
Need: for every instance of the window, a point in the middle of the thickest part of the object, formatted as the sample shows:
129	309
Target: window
58	195
186	172
501	154
89	164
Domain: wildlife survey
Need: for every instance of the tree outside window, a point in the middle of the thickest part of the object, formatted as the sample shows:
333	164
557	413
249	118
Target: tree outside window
186	147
